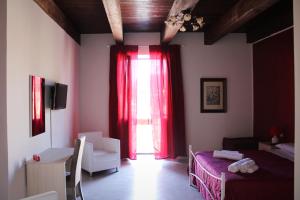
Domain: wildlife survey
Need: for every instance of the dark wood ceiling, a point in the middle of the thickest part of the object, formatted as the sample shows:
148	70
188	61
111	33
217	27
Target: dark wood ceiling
89	16
144	15
212	10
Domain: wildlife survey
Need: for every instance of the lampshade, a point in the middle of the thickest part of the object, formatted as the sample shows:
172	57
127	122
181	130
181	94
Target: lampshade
274	131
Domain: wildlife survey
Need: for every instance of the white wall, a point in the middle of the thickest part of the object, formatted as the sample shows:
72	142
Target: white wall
142	38
36	46
231	57
94	79
3	127
297	95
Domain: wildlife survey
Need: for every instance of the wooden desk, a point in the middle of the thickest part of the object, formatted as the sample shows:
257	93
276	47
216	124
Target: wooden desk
49	173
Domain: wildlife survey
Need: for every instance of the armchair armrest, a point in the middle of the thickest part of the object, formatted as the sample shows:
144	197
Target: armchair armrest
87	156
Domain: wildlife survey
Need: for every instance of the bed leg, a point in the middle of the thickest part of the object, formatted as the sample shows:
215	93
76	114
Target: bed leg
222	186
190	164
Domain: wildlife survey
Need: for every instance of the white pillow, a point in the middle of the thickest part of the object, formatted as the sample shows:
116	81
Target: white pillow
289	147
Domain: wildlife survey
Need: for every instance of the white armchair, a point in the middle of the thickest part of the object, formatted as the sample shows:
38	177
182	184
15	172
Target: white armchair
100	153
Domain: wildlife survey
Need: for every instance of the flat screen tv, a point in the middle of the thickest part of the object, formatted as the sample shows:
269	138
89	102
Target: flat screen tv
59	100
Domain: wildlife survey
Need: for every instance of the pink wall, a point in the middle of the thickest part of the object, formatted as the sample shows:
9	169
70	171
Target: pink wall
36	46
230	57
94	54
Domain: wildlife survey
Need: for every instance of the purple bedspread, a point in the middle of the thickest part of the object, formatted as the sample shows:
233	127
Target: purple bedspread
274	180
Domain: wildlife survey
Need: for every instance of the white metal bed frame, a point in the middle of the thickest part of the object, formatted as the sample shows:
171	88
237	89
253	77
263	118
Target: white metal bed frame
191	175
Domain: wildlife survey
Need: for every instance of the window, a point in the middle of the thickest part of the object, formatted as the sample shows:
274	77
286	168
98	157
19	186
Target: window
144	126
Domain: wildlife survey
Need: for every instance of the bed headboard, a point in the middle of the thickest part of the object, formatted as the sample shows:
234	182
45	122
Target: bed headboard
241	143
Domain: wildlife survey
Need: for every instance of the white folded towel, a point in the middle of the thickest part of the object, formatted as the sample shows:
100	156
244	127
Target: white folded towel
252	169
235	167
229	151
228	155
246	165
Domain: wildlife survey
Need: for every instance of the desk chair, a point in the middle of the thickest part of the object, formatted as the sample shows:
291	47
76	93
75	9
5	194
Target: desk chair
74	179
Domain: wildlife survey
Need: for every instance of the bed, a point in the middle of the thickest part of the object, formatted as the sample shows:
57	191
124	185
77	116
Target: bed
274	180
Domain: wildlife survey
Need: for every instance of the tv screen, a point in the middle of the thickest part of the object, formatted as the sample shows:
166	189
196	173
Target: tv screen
59	96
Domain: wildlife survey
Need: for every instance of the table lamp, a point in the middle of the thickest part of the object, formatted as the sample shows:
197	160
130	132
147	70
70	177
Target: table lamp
274	132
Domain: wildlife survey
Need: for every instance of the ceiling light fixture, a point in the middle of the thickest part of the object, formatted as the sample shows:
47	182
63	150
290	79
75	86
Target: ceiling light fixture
186	21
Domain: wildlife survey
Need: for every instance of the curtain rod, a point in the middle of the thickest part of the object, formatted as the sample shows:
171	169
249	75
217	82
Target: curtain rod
273	34
144	45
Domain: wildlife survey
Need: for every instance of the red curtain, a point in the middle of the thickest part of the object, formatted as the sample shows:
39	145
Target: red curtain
123	97
160	105
38	105
167	102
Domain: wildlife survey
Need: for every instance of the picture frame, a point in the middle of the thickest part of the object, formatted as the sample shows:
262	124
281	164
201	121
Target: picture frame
213	95
37	105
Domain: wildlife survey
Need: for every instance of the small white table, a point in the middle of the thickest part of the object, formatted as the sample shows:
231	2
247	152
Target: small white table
48	174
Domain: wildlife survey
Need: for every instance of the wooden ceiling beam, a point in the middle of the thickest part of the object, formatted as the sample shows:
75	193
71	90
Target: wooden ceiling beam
170	31
113	13
53	11
241	13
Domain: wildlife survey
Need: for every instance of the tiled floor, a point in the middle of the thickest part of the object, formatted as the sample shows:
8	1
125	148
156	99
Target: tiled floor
143	179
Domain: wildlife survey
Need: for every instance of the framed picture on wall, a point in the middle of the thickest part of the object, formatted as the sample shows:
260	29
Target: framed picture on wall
37	105
213	95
